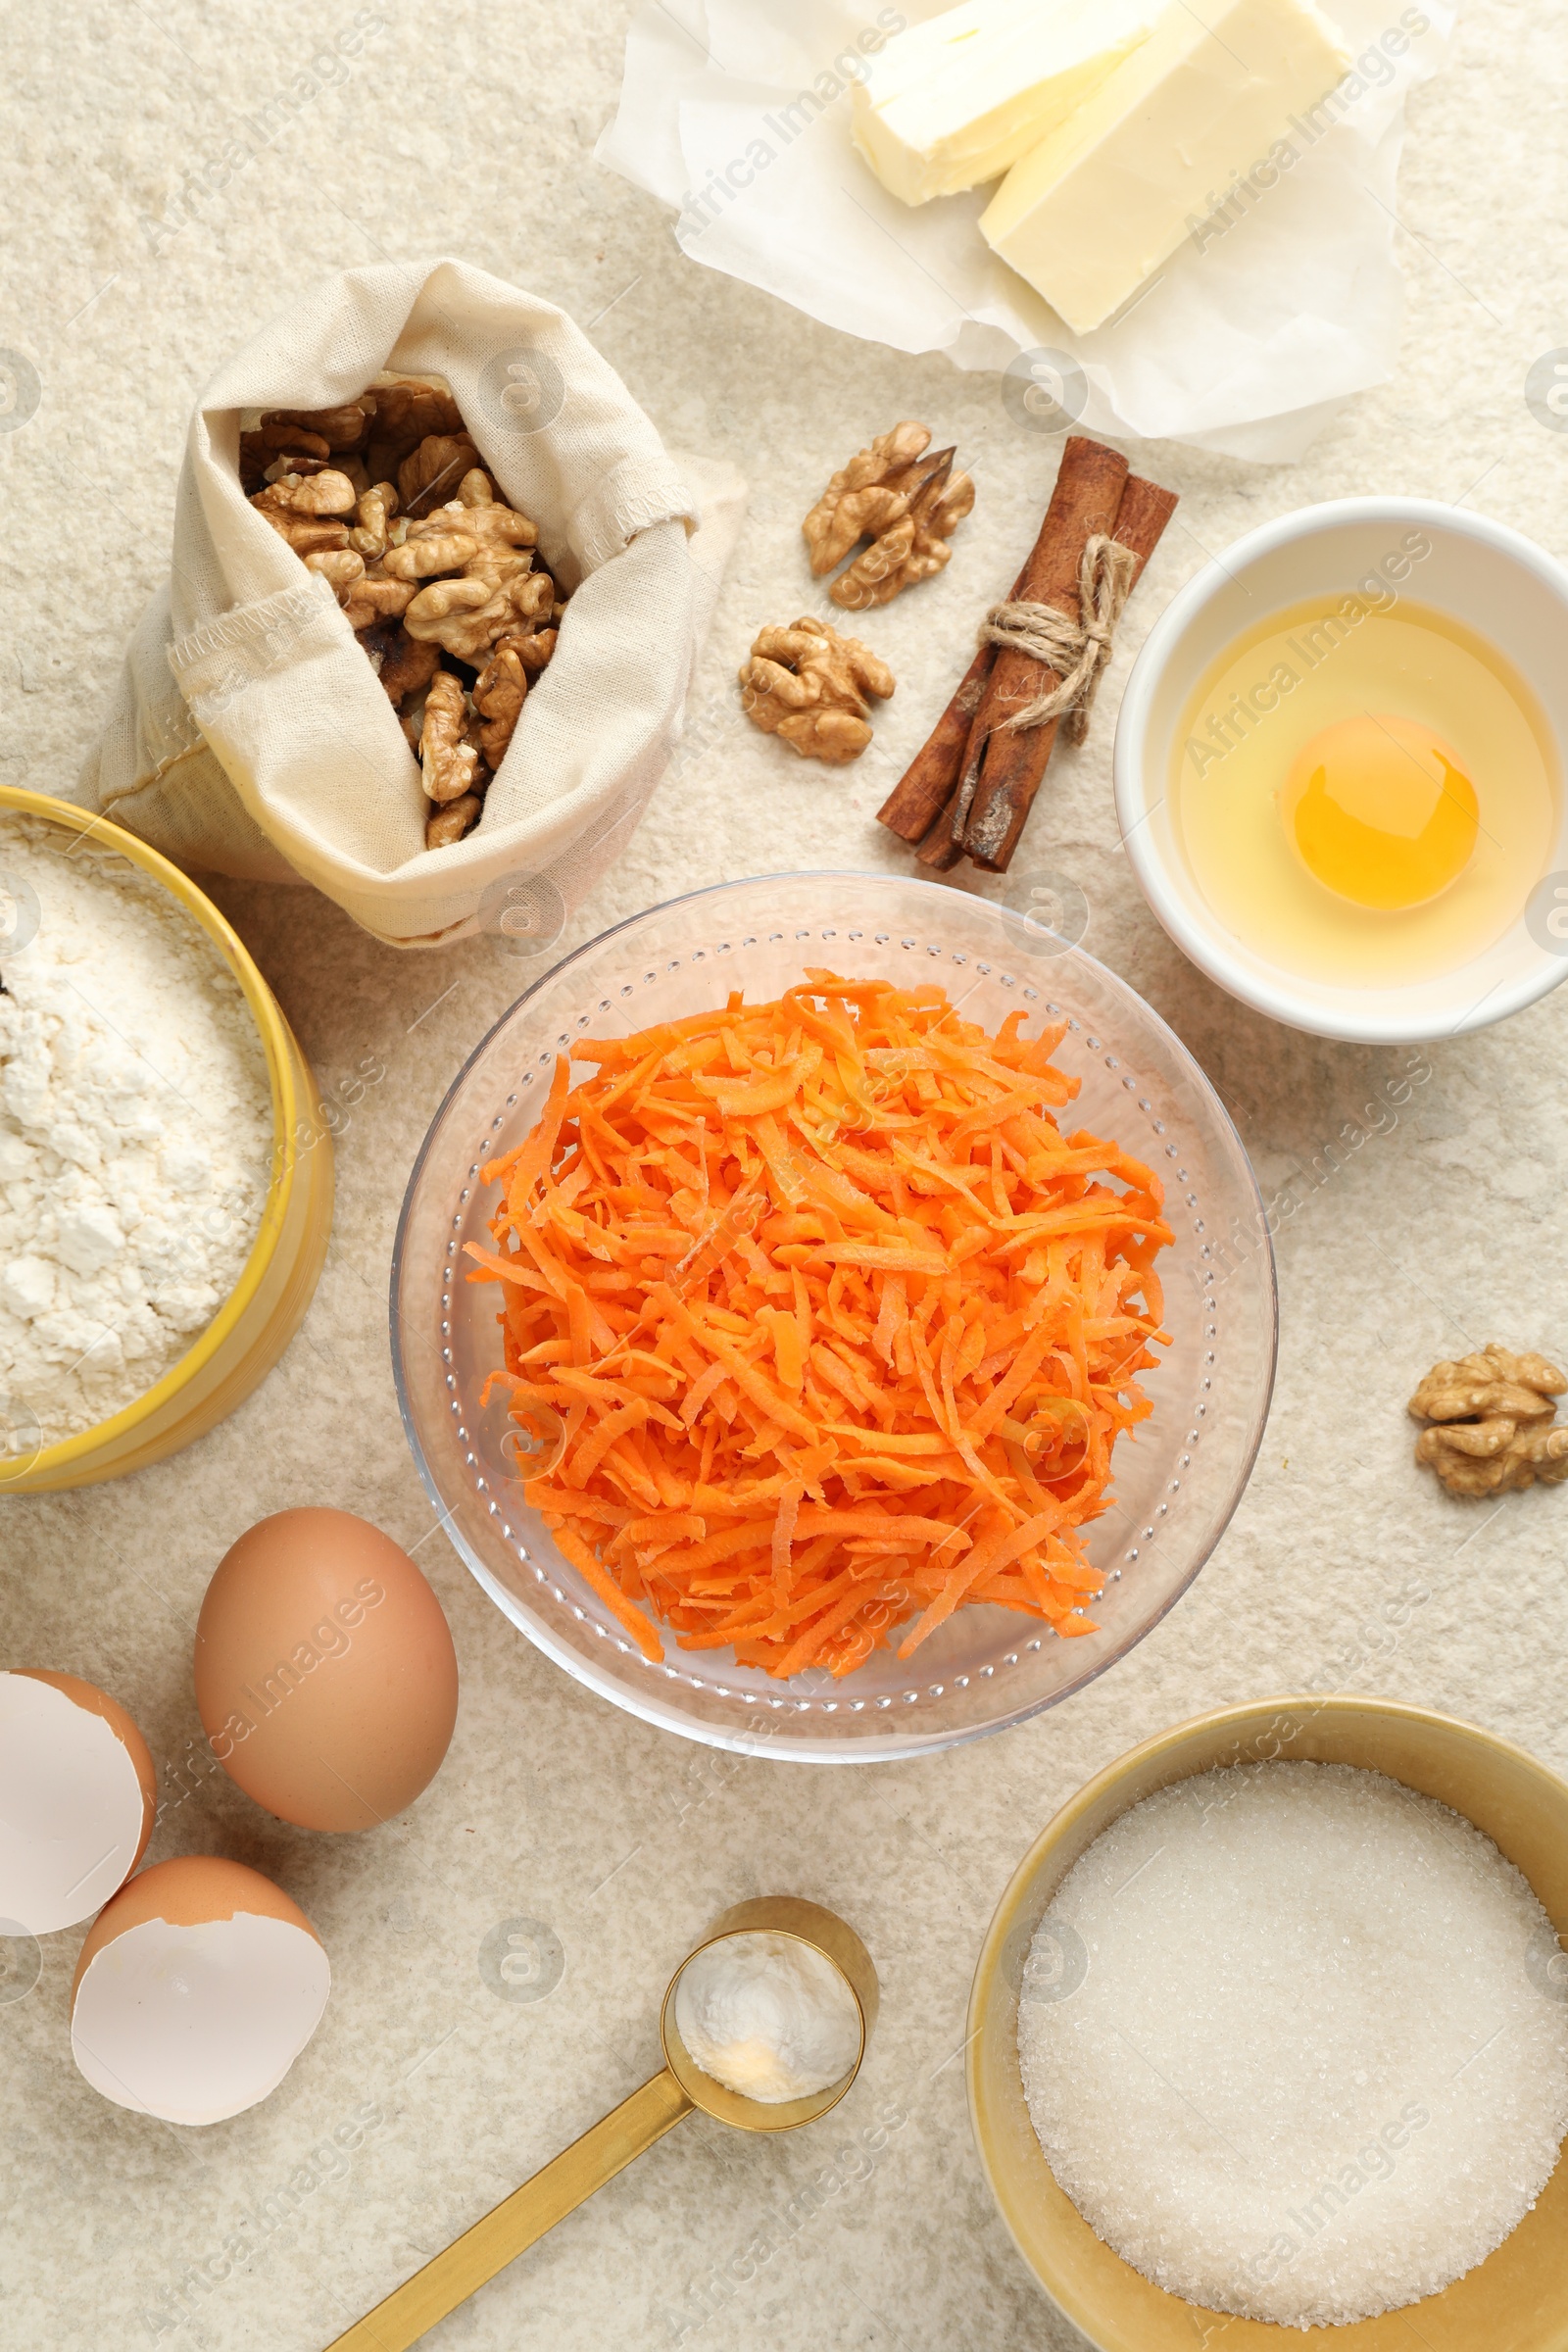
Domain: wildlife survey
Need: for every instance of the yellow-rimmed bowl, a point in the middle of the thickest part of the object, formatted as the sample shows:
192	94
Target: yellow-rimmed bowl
1517	2299
267	1305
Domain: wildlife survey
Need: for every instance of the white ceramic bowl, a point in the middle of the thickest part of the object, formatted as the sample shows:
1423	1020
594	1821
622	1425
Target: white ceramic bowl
1176	1485
1492	579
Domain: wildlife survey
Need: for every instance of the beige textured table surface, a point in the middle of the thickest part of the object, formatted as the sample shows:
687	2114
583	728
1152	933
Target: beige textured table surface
468	130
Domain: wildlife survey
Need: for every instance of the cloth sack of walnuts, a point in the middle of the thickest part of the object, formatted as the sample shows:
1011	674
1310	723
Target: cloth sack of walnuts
517	637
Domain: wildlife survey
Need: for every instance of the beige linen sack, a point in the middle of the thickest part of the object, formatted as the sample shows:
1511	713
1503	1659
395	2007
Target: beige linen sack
249	734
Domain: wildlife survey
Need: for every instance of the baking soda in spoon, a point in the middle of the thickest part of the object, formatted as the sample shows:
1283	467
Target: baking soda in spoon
768	2017
1295	2041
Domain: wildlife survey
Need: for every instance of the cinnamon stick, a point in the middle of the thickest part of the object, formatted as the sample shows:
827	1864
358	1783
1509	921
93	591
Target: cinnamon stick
1086	497
1002	769
1013	761
928	783
941	849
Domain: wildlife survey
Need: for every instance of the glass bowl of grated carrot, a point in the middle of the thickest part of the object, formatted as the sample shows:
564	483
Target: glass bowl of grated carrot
835	1318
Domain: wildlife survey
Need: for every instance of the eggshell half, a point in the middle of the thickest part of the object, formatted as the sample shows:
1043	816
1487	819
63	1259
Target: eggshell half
197	1989
78	1791
325	1676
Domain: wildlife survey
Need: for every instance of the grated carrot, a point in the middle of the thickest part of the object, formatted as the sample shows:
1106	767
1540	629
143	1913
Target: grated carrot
842	1328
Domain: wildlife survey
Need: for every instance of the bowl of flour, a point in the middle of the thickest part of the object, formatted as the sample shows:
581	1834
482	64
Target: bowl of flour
164	1182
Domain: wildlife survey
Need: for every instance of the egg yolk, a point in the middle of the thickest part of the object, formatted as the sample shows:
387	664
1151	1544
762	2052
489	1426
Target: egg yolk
1380	809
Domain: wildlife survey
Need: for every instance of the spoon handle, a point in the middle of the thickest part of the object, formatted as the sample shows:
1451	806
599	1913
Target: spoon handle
514	2224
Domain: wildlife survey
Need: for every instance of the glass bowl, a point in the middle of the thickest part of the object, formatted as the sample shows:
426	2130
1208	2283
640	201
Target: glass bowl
1178	1476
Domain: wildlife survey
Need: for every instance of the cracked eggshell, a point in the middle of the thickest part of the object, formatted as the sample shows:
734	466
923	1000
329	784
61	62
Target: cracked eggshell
197	1989
78	1791
325	1676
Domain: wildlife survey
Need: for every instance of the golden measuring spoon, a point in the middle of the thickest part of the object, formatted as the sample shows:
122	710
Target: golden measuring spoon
608	2147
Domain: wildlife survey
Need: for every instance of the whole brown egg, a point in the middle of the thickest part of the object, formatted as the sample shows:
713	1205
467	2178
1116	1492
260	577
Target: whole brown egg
325	1676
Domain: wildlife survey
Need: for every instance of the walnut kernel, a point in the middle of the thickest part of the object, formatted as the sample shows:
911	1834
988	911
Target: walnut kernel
904	501
811	686
1491	1422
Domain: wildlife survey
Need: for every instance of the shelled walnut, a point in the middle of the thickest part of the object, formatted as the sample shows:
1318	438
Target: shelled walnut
385	498
1491	1422
811	686
903	501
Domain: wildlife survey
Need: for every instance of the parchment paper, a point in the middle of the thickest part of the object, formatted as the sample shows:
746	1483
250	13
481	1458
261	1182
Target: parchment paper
1248	341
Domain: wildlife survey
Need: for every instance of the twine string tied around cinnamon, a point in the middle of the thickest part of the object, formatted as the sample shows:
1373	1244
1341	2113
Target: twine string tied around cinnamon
1074	650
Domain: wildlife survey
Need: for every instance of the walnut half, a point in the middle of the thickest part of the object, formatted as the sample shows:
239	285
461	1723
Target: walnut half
1491	1422
903	501
814	687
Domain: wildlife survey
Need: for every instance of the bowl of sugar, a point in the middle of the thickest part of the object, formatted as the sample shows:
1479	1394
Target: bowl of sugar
166	1172
1270	2032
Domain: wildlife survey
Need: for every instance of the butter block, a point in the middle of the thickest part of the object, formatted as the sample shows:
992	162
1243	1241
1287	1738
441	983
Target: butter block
954	101
1092	211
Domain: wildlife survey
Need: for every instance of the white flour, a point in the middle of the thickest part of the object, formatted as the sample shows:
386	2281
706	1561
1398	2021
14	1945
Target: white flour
135	1134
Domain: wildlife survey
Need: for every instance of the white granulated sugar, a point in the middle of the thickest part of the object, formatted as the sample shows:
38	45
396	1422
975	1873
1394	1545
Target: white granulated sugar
135	1134
1291	2043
